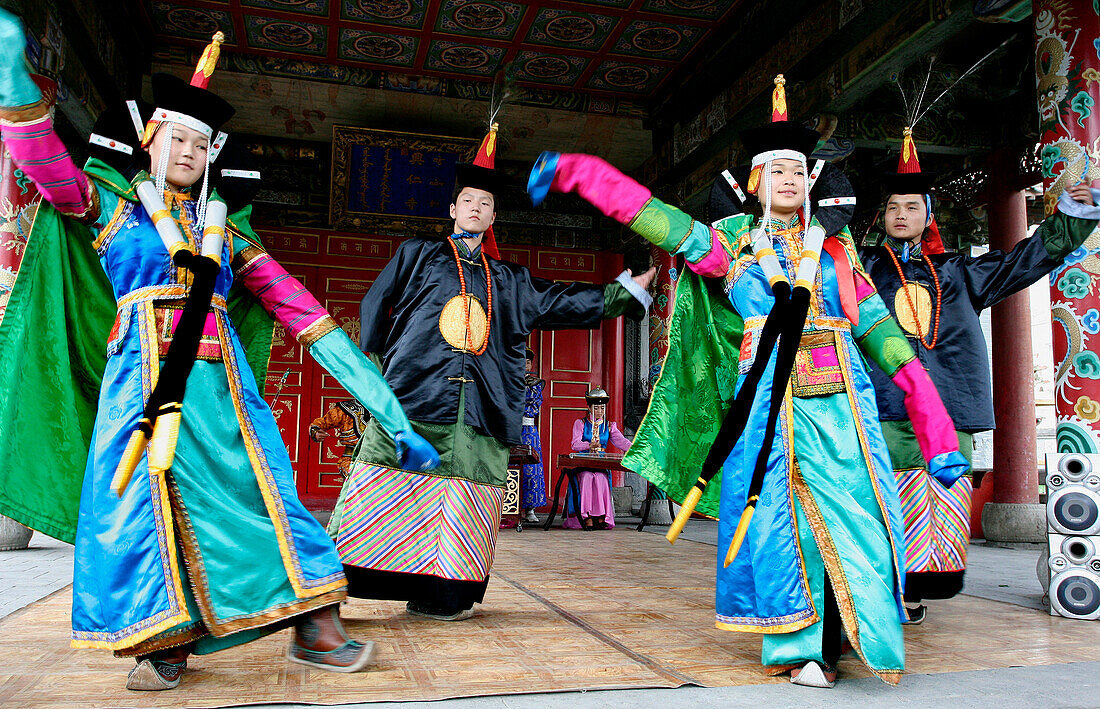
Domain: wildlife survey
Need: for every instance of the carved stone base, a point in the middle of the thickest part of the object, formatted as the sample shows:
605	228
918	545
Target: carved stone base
1014	522
13	535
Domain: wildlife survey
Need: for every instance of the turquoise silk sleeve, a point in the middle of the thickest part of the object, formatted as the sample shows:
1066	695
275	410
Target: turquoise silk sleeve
16	86
342	359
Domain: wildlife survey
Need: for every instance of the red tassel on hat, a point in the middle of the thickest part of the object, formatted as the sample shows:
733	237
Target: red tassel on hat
907	161
486	157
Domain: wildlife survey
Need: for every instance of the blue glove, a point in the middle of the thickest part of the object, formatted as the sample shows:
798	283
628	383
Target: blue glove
948	467
414	452
16	86
542	175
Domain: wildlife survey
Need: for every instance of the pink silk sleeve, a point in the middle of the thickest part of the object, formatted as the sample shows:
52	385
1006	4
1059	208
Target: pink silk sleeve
36	149
864	289
284	297
931	423
579	444
626	201
601	185
618	439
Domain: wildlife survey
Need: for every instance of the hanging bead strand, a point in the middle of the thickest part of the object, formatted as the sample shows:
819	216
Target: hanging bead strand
913	307
466	302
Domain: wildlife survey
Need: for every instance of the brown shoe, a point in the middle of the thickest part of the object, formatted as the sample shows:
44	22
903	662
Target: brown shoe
155	675
352	656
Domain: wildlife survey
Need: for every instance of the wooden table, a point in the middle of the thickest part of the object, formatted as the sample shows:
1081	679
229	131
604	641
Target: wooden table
569	464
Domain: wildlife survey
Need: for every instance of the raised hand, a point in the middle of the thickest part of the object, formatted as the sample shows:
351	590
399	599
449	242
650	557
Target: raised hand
16	86
414	452
644	279
1080	193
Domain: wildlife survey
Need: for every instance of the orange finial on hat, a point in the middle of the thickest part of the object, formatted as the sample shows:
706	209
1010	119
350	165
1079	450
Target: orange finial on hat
779	99
907	161
779	114
209	59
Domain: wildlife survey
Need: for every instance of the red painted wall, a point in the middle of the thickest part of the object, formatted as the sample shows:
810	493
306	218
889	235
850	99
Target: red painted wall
338	268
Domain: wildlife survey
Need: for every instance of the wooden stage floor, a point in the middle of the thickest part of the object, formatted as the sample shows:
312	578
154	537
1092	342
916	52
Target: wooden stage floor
565	610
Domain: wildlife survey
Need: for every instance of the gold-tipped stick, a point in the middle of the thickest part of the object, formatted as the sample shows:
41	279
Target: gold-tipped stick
162	447
742	529
135	448
166	433
692	499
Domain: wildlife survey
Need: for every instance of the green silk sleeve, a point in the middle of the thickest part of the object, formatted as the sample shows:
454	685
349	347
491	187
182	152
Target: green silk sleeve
692	394
617	301
1062	233
672	230
879	336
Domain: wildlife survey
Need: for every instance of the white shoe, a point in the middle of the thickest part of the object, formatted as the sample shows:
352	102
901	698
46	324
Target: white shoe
812	674
531	517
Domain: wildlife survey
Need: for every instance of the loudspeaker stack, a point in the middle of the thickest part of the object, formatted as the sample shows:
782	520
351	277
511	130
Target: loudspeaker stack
1073	534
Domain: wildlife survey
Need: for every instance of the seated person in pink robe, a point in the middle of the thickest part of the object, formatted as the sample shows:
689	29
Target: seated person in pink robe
593	433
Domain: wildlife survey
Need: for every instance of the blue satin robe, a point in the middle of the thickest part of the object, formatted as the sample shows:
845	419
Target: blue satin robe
228	506
829	503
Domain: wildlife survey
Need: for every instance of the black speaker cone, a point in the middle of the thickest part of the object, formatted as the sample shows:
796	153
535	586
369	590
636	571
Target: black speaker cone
1079	595
1076	511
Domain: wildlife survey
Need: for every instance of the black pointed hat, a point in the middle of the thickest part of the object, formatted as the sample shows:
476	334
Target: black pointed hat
173	94
483	178
114	138
780	133
236	175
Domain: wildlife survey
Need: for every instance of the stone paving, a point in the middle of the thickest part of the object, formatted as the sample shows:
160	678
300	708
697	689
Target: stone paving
1003	575
30	574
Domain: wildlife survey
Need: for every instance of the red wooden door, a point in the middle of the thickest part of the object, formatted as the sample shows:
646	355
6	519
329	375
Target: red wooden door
290	371
571	361
339	268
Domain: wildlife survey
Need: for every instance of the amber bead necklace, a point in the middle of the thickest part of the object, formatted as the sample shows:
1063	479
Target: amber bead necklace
466	301
912	305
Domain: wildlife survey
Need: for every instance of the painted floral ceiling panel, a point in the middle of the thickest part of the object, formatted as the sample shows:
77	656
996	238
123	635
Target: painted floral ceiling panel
617	48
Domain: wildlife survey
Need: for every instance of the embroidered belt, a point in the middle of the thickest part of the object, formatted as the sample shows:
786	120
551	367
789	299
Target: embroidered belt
171	291
528	421
822	322
168	319
168	301
817	369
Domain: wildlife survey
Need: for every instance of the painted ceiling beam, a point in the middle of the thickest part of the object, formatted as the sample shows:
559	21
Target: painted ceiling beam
815	78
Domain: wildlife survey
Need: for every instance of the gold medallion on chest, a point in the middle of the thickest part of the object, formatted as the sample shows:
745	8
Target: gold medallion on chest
913	307
460	331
